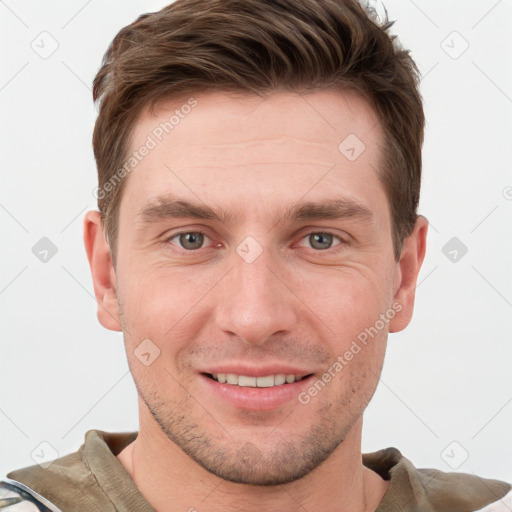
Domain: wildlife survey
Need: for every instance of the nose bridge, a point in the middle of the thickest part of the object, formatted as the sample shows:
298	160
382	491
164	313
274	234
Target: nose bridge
255	304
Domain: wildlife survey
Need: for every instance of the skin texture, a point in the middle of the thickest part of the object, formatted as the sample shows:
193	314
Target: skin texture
302	302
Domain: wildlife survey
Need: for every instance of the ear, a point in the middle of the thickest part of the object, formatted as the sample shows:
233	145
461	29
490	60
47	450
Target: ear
102	270
408	268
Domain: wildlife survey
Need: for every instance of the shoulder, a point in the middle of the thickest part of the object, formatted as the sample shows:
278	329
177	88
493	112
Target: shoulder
17	497
436	490
502	505
67	483
464	491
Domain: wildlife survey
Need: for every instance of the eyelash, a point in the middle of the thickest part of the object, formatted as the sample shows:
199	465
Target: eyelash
331	250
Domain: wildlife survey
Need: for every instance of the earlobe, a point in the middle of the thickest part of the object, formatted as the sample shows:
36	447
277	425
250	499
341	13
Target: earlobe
103	275
408	268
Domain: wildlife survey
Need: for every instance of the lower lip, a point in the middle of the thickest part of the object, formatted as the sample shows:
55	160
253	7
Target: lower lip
256	399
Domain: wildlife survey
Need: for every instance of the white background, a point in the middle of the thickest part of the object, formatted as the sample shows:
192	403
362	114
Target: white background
446	378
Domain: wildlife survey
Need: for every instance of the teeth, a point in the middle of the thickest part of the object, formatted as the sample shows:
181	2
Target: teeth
243	380
266	381
280	379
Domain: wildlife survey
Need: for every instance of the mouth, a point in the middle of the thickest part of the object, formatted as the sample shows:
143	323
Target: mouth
257	388
264	381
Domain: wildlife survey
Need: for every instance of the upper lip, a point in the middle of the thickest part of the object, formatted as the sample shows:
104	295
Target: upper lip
257	371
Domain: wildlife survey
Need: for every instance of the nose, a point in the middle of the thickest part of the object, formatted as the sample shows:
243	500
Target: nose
256	300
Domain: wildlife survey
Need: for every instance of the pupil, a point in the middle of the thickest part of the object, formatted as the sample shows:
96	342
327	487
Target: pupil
191	240
322	238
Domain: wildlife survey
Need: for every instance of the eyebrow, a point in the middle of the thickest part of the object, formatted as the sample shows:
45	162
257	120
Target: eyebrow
170	207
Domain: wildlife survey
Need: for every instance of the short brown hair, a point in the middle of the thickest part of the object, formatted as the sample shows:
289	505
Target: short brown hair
261	46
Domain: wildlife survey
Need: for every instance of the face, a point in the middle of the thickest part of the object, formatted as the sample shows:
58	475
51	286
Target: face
254	249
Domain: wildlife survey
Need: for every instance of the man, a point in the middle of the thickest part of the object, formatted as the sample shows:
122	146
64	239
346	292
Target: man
259	172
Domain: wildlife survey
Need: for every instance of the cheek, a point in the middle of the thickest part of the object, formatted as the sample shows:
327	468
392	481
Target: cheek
347	299
170	305
163	304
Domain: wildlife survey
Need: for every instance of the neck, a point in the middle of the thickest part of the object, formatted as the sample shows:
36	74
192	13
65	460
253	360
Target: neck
170	480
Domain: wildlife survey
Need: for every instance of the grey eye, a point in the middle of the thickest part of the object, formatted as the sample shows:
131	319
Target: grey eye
320	240
191	240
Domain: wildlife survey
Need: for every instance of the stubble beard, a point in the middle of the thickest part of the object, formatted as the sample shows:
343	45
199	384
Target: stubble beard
242	461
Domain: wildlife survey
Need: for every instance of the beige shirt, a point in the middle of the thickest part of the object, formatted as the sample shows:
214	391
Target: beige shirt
92	479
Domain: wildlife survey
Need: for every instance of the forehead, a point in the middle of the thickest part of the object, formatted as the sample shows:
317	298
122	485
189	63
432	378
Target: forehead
248	148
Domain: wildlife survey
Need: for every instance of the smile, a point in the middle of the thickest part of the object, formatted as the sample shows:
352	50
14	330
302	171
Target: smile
266	381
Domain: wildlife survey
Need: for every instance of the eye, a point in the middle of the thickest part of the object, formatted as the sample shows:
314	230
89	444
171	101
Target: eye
194	240
189	240
322	241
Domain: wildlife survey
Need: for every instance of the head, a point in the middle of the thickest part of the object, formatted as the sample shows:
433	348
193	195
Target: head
259	173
